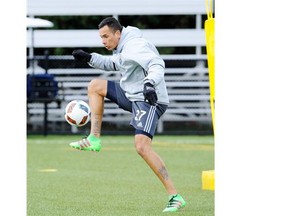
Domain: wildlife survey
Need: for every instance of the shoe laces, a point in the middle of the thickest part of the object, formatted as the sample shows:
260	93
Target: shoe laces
84	142
174	202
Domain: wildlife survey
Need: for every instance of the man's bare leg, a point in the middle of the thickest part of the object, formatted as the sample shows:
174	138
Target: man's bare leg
144	149
97	90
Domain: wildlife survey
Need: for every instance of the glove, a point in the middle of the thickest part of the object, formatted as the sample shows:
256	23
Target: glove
82	56
150	93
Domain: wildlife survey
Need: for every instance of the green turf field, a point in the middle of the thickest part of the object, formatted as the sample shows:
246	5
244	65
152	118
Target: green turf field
62	181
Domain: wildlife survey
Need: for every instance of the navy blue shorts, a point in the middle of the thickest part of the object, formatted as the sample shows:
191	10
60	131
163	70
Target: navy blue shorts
144	116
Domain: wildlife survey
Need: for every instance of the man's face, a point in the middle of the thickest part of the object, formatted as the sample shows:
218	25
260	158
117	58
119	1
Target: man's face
109	38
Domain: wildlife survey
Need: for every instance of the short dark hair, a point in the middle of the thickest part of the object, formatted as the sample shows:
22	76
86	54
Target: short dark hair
112	23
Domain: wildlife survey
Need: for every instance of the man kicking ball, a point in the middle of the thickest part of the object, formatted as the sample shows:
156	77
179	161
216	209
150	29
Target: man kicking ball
141	91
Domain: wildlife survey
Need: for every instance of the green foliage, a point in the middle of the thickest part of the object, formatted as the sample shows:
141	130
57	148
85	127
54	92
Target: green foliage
160	21
74	22
64	181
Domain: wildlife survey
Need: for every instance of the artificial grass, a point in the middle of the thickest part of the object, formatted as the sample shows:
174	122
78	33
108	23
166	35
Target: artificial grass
116	181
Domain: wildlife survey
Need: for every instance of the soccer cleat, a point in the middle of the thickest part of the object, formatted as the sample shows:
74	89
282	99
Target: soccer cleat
175	203
91	143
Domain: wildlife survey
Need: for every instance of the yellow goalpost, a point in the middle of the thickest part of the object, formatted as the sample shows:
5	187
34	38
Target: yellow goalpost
210	40
208	176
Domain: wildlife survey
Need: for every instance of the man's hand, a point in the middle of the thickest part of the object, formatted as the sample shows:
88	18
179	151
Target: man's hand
80	55
150	93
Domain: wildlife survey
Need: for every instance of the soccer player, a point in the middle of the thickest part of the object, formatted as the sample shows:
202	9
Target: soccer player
141	91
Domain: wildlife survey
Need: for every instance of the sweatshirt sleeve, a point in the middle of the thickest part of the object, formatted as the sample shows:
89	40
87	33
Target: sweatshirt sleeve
102	62
155	74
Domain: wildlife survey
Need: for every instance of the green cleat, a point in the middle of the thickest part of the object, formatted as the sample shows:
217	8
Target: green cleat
175	203
91	143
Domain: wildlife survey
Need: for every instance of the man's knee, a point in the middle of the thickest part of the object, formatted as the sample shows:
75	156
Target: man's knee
142	144
97	86
140	148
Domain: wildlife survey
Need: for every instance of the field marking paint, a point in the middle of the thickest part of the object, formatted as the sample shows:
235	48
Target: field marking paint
48	170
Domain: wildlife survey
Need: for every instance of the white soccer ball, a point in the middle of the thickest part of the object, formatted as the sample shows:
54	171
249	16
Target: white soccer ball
77	113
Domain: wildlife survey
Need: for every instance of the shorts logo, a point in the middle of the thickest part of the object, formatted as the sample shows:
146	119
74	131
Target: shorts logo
139	124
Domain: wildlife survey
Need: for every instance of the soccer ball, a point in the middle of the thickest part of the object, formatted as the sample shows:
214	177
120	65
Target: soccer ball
77	113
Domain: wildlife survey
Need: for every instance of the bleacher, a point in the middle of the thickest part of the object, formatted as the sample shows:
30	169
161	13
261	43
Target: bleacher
188	86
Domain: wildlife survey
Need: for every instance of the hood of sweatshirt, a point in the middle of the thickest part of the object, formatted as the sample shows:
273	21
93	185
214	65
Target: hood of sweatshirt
128	33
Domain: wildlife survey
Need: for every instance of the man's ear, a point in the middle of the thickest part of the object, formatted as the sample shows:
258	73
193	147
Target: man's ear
118	34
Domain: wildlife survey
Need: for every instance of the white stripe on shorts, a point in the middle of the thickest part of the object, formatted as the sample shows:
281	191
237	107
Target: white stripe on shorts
150	118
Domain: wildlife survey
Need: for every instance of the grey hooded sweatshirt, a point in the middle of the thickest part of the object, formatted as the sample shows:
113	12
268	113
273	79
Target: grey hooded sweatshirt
138	61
